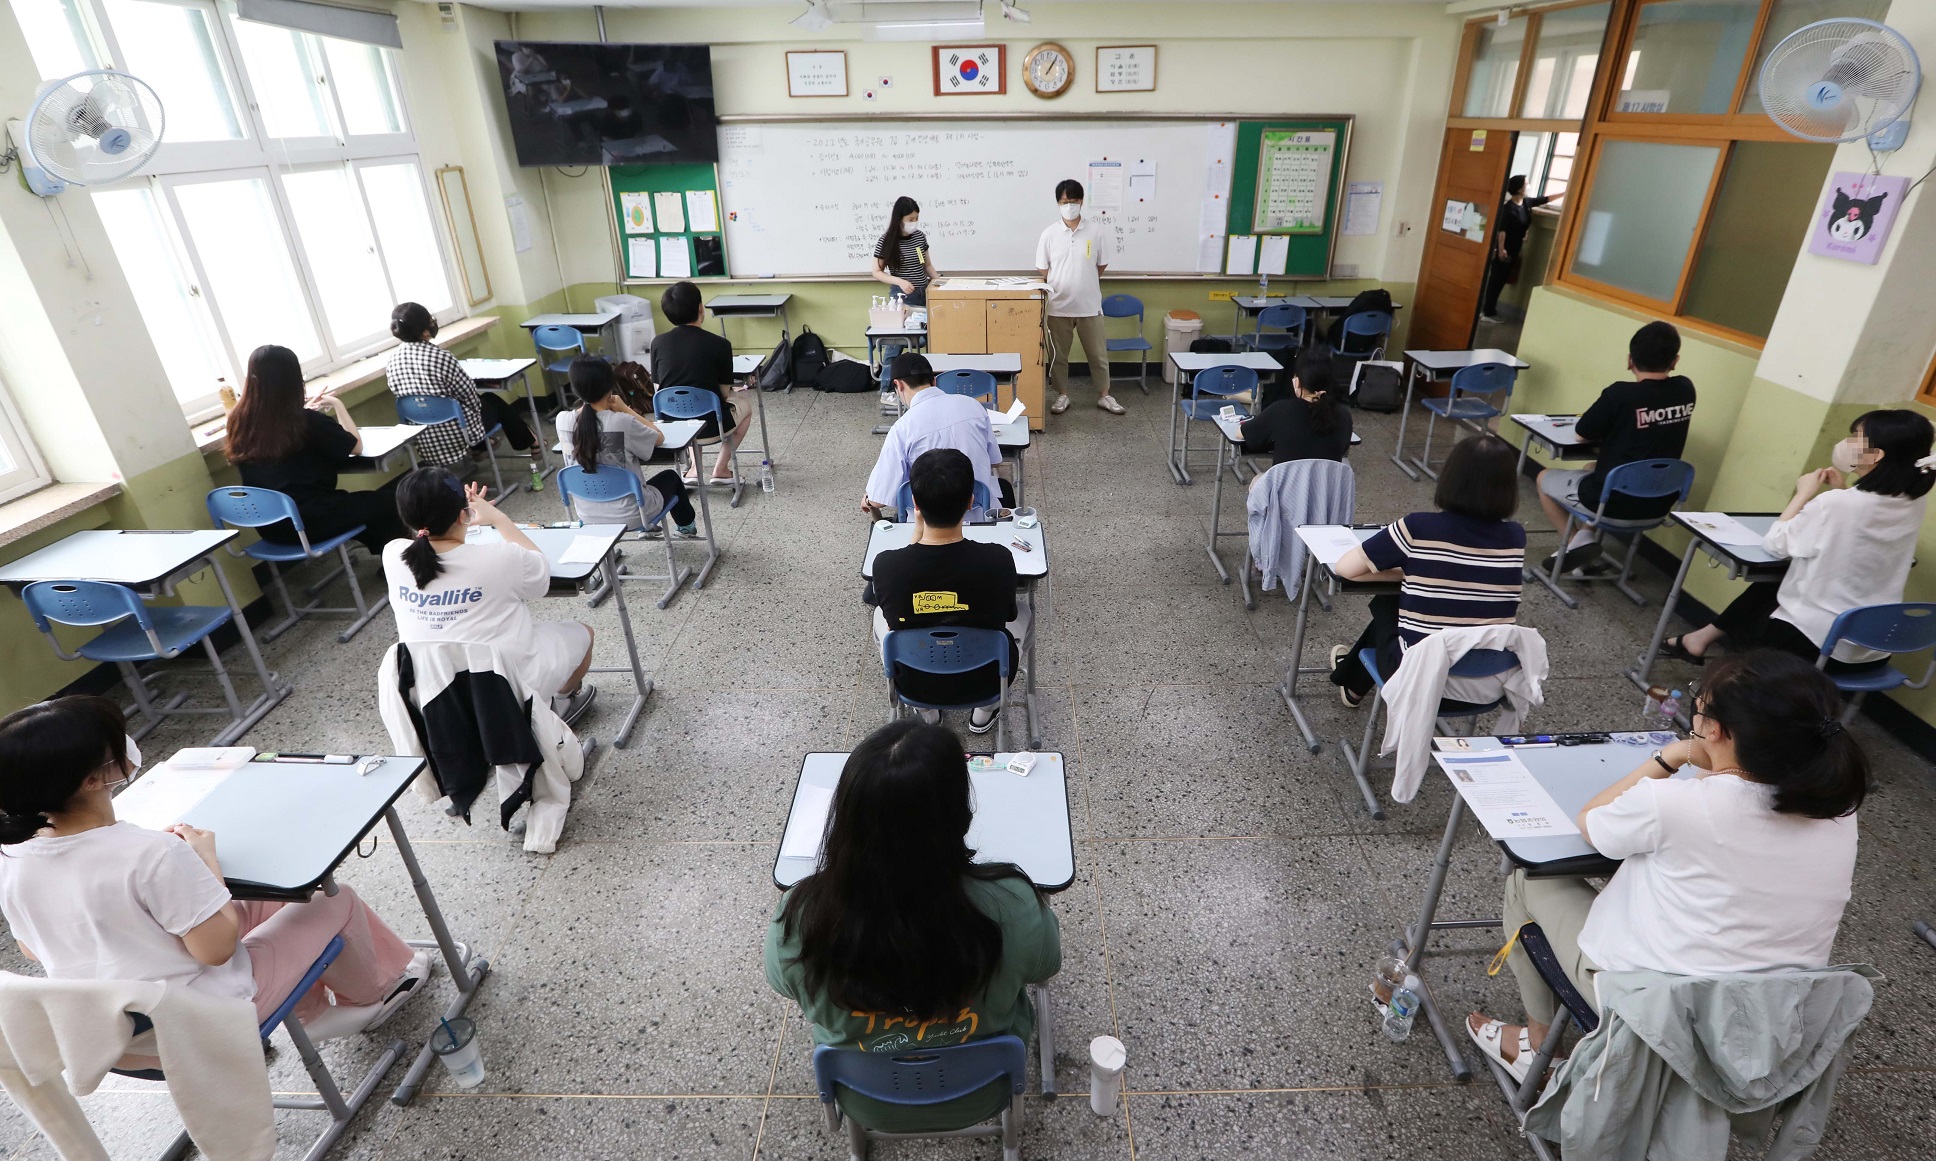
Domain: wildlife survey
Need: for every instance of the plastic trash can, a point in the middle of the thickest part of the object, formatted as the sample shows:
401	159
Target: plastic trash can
1180	329
634	328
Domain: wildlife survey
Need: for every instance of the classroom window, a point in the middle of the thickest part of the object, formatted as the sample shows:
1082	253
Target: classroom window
287	80
1565	53
21	468
366	87
1754	233
341	253
191	353
400	209
1789	15
57	36
1686	55
172	47
1495	68
1642	215
249	278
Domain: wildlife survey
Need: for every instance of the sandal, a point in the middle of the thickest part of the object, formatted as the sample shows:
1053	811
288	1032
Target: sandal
1672	650
1490	1037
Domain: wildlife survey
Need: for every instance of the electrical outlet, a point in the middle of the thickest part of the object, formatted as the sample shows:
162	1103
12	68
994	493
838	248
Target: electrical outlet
1222	295
1404	228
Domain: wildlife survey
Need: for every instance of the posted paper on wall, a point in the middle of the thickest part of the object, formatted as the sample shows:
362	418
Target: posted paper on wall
636	209
641	258
1142	182
670	208
1504	796
1243	255
1273	253
1362	202
675	258
1103	193
702	211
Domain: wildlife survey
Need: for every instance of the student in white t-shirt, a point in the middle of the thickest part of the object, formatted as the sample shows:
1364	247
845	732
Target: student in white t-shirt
1071	256
1745	867
91	898
445	587
605	432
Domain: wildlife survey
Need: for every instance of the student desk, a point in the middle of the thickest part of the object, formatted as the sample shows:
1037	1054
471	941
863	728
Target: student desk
380	445
554	542
1554	433
678	435
1433	366
597	322
1572	774
725	306
1233	438
1188	363
1004	367
914	334
1249	306
496	375
152	562
744	366
1031	566
1317	559
1749	562
285	828
1014	440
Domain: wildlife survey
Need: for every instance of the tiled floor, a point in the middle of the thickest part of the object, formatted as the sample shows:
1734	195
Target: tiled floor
1230	895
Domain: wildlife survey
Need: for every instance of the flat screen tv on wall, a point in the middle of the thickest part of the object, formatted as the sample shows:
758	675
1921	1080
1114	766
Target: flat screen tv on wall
608	104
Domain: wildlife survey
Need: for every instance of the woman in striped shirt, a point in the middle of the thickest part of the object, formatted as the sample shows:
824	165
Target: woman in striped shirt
1460	565
901	259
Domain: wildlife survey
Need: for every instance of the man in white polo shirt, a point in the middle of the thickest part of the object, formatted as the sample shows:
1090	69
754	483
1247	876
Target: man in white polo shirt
1072	254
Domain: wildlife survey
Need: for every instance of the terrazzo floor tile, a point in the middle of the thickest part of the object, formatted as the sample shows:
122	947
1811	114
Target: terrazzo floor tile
1458	1123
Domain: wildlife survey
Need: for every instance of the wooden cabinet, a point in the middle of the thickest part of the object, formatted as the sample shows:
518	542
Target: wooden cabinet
973	316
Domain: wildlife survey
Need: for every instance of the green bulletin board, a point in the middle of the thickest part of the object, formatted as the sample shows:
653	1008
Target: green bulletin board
1296	142
643	230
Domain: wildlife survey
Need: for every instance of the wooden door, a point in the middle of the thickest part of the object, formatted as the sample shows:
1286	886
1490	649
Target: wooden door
1472	168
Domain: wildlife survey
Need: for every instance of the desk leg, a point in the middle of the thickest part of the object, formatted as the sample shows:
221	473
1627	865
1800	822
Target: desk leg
1414	941
274	689
1028	692
1216	507
1645	665
466	971
712	545
786	332
546	467
1289	687
641	685
1177	470
1404	418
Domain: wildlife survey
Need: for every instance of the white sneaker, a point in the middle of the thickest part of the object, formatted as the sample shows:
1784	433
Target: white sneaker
1060	405
573	706
340	1020
1108	403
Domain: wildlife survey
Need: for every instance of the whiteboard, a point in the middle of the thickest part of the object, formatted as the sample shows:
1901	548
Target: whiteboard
805	198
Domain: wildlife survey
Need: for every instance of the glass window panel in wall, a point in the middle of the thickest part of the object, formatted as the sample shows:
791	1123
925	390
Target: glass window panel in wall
1495	66
285	80
172	47
335	232
366	87
57	36
401	212
1790	15
1644	207
252	282
1563	61
1686	56
1755	231
176	318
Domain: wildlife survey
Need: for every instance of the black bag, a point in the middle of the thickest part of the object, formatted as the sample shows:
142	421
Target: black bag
1209	346
776	371
809	358
846	377
1378	387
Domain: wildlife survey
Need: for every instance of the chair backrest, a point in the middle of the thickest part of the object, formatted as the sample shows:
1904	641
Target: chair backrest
1649	479
972	383
924	1076
1484	379
426	410
252	508
1904	627
1122	306
1222	381
688	403
607	484
1484	663
1371	322
79	602
1285	317
945	652
904	500
552	339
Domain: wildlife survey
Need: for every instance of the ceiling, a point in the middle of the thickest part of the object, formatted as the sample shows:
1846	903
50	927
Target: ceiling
800	5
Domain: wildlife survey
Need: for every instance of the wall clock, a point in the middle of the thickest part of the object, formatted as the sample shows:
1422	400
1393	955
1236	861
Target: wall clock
1048	70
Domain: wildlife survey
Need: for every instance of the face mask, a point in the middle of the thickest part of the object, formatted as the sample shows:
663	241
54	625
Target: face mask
1844	456
1070	211
910	223
134	755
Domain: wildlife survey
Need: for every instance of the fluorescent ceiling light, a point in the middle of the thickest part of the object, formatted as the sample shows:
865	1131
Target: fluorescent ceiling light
1012	11
817	17
926	29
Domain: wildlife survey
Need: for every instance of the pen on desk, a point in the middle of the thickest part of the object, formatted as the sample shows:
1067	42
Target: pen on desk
1021	546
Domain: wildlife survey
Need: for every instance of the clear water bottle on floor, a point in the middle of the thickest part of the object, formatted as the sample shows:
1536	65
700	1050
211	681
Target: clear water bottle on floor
766	476
1401	1010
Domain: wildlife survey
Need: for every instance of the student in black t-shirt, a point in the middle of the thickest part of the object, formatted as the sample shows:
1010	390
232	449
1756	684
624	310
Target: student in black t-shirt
901	257
1644	419
689	355
1508	239
277	443
1312	423
943	579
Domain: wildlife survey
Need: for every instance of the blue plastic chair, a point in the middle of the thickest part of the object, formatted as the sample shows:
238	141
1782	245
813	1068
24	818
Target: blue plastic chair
1640	480
1474	663
260	507
1373	325
1287	333
555	344
1209	392
904	502
1904	627
697	403
431	410
950	652
1479	393
974	384
138	633
611	483
1128	306
924	1078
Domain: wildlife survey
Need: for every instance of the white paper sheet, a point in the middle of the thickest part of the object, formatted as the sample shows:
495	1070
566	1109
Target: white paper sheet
675	258
1243	255
1222	151
636	209
1103	192
1142	181
520	223
670	209
1362	202
1013	413
1723	529
583	550
808	824
1454	217
159	798
1328	542
1504	796
1273	253
641	258
1209	253
702	211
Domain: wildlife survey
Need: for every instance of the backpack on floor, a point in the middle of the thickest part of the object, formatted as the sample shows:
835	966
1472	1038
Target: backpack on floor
1378	386
775	372
846	377
1209	346
809	358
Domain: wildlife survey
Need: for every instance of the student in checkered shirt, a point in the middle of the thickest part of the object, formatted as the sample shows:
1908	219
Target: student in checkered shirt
421	367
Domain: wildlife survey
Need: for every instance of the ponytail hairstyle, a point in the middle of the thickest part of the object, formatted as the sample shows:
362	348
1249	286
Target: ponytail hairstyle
267	425
1314	375
891	241
412	323
1785	717
430	501
46	751
1904	438
591	380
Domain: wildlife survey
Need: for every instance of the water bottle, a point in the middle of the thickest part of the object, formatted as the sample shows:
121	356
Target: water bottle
537	478
1401	1010
1660	707
766	476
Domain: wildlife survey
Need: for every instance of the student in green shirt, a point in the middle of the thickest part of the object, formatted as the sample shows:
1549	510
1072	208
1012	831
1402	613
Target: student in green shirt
900	941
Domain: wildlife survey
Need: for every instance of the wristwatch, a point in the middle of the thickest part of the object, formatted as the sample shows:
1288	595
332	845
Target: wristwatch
1663	763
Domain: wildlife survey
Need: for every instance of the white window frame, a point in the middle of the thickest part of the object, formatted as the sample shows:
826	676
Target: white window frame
257	154
30	472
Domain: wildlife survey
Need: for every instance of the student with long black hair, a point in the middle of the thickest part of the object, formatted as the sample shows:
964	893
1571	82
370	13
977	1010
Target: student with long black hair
421	367
901	259
1312	423
277	442
900	938
605	431
93	898
446	587
1850	547
1745	867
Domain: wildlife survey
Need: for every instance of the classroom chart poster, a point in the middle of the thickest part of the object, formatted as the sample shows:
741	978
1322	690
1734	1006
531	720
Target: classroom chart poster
641	258
1103	194
636	209
1293	175
1243	255
702	211
669	206
1362	202
1857	213
675	257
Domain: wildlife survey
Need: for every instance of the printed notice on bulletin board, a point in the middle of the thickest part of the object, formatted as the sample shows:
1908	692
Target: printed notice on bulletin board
1293	175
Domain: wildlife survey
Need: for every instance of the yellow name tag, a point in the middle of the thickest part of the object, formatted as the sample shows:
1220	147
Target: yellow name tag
1088	249
939	603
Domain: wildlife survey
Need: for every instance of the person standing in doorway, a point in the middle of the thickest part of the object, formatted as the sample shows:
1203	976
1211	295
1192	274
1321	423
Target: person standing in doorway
1072	254
1508	238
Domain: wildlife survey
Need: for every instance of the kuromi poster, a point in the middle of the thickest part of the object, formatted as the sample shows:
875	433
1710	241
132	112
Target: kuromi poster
1855	217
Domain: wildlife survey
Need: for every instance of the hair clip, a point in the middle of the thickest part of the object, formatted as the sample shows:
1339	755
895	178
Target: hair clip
1927	463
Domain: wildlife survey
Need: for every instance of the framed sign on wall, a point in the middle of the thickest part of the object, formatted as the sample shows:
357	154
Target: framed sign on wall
970	70
1126	68
816	73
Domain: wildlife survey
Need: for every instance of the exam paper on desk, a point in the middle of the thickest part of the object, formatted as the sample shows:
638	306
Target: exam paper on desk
583	550
1504	796
1328	542
1723	529
809	823
158	799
